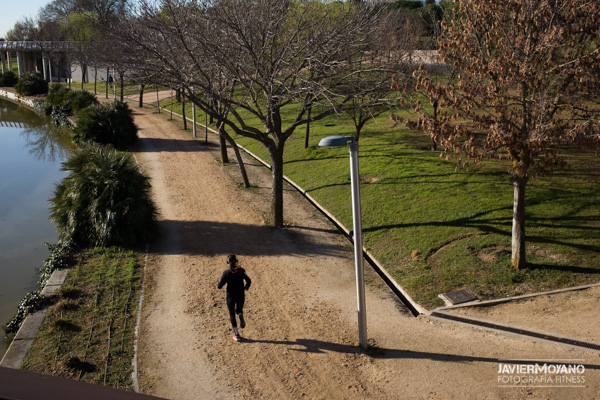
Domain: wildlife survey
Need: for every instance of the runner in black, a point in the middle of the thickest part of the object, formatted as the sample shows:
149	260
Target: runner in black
235	277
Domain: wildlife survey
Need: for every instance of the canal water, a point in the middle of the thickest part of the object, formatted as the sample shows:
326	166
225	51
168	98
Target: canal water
31	153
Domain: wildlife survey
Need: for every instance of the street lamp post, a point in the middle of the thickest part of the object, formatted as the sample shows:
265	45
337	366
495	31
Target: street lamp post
193	116
340	141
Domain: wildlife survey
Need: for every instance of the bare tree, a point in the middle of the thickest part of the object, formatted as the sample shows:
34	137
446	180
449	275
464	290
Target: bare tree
257	57
83	22
81	30
528	78
432	15
388	59
45	34
57	10
116	57
24	29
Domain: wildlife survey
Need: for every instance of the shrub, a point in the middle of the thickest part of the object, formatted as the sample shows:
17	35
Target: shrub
80	99
107	124
31	84
105	200
42	107
70	100
8	78
60	257
57	94
60	117
29	303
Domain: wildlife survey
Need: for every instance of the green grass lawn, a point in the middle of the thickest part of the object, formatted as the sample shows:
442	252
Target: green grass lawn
88	333
99	88
437	230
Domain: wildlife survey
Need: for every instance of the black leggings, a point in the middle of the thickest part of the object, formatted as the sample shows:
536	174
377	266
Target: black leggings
235	306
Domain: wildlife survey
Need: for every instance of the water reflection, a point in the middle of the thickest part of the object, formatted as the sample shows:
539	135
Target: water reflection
31	152
48	142
45	140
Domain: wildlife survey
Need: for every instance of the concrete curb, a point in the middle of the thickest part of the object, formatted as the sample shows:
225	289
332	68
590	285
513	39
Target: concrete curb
15	97
134	361
512	330
18	348
445	314
490	303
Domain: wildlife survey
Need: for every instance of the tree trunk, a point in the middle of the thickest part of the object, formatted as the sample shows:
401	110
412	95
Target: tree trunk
277	201
157	100
172	102
518	229
183	113
223	135
223	146
142	95
435	105
83	75
121	81
307	132
238	157
358	129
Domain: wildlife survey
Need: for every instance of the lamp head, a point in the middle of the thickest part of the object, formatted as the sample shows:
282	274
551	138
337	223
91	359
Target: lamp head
336	141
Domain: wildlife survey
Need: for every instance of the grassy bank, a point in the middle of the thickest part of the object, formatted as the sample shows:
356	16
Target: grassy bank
437	230
89	330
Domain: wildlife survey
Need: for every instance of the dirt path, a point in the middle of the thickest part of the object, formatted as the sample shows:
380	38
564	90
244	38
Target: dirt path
571	314
301	339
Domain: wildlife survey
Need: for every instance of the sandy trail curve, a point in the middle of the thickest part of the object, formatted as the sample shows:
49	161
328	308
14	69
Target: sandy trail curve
301	334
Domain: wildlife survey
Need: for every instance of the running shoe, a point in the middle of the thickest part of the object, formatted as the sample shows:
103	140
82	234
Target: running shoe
236	337
242	322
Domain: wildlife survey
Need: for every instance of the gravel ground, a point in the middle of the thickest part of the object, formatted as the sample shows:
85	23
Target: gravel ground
301	337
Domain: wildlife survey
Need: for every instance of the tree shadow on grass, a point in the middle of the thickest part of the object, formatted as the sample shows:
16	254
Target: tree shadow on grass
77	364
564	268
502	226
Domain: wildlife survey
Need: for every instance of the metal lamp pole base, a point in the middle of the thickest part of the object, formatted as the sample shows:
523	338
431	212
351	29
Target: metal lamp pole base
358	246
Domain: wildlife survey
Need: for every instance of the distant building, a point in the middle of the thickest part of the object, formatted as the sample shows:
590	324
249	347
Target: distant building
48	58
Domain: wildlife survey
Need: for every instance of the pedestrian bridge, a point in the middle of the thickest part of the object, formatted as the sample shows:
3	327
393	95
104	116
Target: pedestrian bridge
11	118
46	57
11	124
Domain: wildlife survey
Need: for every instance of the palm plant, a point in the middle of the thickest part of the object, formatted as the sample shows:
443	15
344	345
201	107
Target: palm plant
105	200
69	100
107	124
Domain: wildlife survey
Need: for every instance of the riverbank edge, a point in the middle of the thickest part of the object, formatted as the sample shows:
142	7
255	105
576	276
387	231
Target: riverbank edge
18	348
25	336
15	97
